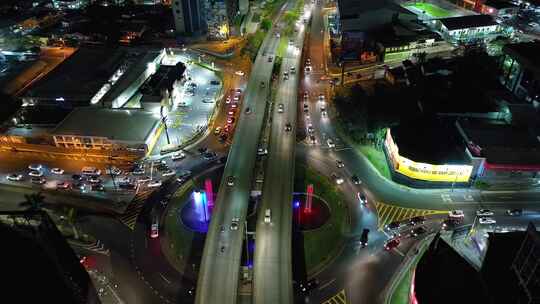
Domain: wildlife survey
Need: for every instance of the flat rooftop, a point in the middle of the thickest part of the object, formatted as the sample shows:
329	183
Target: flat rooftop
431	141
526	53
114	124
463	22
503	143
80	76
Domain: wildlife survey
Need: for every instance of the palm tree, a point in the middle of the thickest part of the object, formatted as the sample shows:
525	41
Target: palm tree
34	200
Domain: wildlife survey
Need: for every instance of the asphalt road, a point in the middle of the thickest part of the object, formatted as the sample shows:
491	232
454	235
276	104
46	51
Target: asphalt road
220	265
272	262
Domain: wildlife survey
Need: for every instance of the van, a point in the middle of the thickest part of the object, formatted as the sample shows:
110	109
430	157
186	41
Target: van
90	171
267	216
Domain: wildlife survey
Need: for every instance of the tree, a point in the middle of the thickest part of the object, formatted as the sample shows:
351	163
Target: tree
266	24
34	200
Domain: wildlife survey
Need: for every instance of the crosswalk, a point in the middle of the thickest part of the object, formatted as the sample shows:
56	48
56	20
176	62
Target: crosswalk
129	218
339	298
389	213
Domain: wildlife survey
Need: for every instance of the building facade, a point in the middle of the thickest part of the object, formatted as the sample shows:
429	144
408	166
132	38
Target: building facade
70	4
187	16
521	70
468	29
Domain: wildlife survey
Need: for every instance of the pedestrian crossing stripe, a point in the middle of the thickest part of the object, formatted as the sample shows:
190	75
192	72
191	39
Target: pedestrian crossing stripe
129	218
389	213
339	298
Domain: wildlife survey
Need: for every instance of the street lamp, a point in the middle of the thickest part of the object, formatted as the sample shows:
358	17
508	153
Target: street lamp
164	120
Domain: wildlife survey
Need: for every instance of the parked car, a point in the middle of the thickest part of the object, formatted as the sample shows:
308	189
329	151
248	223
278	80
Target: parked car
35	173
35	167
168	172
154	184
484	212
38	180
57	171
486	220
456	214
15	177
306	287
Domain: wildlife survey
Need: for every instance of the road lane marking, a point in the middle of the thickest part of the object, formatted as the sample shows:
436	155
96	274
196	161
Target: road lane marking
339	298
327	284
164	278
388	213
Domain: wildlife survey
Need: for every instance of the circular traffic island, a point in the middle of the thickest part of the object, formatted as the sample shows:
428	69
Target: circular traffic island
186	221
309	216
319	233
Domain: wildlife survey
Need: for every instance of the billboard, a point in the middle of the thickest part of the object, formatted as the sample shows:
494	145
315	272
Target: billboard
423	171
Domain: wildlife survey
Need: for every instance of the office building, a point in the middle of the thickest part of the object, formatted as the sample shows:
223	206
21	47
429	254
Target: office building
187	16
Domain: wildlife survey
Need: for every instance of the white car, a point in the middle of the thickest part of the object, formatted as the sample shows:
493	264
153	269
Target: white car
484	212
143	179
280	108
35	167
168	172
15	177
337	179
154	230
35	173
234	223
486	220
154	184
267	216
57	171
330	143
456	214
239	73
178	155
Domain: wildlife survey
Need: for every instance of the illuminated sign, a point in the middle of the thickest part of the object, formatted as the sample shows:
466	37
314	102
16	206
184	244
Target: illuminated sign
423	171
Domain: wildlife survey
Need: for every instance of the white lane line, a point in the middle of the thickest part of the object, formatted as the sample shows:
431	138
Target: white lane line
399	252
164	278
327	284
115	294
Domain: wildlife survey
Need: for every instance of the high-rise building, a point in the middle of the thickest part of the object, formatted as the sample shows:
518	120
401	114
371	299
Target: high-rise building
187	16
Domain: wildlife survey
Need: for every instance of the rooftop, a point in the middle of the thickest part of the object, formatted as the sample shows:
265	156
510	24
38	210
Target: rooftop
526	52
463	22
459	278
433	141
502	143
80	76
114	124
498	4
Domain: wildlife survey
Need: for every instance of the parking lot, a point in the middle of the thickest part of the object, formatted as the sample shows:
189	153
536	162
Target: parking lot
195	102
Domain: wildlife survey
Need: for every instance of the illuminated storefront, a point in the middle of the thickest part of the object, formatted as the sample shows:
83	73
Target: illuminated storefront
423	171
